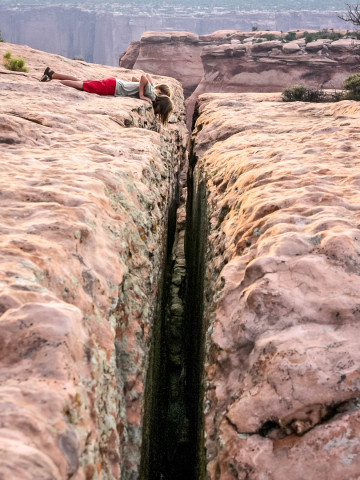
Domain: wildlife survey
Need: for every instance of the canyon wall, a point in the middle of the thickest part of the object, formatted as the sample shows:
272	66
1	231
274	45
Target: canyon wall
281	297
100	36
252	371
234	61
86	186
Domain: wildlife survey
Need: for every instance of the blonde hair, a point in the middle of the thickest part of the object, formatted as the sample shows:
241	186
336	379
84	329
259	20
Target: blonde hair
164	89
163	108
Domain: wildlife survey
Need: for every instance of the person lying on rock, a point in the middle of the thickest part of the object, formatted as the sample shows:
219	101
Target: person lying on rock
157	95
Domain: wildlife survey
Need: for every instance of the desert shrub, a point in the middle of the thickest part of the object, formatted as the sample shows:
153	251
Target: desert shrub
299	93
311	37
254	28
354	34
290	36
1	37
352	87
16	64
294	94
268	36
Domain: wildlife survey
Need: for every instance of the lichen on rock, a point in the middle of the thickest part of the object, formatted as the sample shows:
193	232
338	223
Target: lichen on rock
85	188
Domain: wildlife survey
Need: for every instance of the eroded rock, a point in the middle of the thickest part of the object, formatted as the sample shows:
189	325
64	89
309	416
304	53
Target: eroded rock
282	299
214	63
85	186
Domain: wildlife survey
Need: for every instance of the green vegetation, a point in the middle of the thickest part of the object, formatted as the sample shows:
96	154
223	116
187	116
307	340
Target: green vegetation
352	87
268	36
16	64
325	33
299	93
290	36
1	37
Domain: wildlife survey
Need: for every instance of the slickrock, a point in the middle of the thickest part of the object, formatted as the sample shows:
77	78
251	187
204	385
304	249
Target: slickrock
85	187
283	286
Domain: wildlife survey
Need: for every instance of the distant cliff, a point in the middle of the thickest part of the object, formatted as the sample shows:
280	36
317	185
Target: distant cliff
100	37
235	61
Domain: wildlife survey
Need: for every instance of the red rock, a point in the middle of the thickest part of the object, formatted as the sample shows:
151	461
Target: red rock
80	194
282	355
214	63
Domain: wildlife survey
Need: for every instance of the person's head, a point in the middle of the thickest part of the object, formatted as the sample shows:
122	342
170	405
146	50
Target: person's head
163	89
163	107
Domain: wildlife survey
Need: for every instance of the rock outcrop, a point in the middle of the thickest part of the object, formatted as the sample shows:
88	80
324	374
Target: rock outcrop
178	53
271	66
85	187
259	330
282	286
233	61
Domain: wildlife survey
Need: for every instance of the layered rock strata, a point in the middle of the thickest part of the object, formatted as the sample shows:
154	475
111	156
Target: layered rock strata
271	66
281	297
179	53
86	185
99	35
235	61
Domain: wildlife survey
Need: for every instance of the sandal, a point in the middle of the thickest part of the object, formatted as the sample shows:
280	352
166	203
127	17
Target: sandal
47	76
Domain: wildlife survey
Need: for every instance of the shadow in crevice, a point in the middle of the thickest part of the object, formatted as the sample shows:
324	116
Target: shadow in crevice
172	446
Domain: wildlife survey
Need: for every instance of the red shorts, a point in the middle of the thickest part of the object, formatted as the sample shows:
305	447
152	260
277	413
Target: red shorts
101	87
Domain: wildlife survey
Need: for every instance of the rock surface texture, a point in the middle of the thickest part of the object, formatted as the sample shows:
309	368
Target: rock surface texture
85	186
233	61
283	283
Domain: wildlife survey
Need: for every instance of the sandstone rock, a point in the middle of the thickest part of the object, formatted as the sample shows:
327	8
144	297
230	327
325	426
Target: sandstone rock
213	63
265	46
128	58
180	55
345	45
85	186
282	303
314	46
291	47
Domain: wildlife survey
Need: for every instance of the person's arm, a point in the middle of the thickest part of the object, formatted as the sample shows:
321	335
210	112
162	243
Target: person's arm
150	79
143	82
134	79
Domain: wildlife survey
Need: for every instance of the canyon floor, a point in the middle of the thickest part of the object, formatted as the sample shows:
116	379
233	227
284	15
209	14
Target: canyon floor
272	248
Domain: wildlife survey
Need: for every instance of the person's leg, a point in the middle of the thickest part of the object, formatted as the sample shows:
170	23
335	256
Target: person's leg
78	84
60	76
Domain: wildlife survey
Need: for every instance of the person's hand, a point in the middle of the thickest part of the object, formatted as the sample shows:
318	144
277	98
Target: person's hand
146	98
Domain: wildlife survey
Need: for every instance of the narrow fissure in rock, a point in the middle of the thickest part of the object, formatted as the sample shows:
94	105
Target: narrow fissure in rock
172	447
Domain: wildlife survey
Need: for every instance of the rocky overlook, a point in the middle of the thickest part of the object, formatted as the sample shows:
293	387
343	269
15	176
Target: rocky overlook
141	340
234	61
